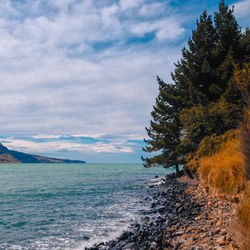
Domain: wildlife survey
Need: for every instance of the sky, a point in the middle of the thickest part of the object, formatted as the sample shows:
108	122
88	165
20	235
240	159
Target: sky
78	77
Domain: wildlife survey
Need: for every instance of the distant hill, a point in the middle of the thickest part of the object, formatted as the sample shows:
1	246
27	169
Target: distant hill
11	156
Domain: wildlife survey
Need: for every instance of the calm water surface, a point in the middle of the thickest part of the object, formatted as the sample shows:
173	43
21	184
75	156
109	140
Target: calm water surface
69	206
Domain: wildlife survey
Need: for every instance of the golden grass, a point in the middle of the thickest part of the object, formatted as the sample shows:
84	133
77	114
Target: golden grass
245	139
209	146
224	171
243	215
243	210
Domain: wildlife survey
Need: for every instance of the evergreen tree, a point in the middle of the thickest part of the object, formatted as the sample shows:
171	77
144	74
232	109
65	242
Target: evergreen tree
206	71
194	73
164	129
204	99
205	120
206	66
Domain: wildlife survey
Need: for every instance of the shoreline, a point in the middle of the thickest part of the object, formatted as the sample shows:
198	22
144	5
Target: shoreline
182	216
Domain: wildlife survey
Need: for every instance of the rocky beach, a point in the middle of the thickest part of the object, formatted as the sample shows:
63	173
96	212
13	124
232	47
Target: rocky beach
183	215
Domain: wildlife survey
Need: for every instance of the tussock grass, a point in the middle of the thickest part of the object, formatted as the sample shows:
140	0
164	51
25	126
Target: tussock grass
243	210
224	171
245	139
209	146
243	215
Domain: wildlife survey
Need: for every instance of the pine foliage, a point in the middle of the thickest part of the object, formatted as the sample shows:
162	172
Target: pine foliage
203	99
164	129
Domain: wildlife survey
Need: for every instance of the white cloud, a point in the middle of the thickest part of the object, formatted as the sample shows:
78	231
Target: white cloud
166	29
151	10
170	30
56	80
82	68
55	146
7	9
95	136
77	96
241	9
127	4
46	136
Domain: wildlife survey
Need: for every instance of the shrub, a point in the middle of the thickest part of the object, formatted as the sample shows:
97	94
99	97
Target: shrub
224	171
209	146
212	144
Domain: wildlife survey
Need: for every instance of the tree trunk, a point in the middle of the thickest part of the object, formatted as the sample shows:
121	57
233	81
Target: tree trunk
177	168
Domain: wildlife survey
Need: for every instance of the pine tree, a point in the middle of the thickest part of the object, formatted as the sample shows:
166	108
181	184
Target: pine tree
207	69
204	99
164	129
206	66
193	74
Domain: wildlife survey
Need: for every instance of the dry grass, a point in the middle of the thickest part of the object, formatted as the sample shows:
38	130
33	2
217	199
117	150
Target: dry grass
243	211
243	219
224	171
209	146
245	139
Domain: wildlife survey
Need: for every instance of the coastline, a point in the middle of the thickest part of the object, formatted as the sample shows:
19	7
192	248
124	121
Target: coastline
182	216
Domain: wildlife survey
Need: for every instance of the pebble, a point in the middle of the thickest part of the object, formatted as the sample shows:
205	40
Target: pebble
183	215
130	245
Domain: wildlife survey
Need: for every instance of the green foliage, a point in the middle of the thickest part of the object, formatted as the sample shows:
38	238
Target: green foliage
212	144
164	129
204	99
201	121
212	103
242	79
209	146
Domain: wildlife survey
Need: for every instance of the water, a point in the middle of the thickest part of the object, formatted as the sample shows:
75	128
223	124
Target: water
69	206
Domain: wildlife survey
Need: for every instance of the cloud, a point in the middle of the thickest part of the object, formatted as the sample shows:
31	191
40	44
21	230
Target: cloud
57	144
165	29
152	10
74	67
46	136
241	9
127	4
78	96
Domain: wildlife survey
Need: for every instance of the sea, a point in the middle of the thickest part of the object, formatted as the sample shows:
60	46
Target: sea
70	206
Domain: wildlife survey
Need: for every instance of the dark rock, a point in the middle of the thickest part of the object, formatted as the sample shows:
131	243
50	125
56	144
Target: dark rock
179	209
173	211
85	238
131	245
112	243
125	235
177	220
153	205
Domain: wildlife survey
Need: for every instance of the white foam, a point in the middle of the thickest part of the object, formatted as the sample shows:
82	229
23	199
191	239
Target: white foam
106	230
155	181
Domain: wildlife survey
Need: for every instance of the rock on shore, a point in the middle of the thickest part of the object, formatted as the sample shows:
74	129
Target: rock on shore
182	216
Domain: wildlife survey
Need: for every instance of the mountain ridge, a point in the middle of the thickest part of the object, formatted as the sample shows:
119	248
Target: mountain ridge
12	156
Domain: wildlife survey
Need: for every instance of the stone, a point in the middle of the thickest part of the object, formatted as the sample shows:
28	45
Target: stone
216	231
197	218
85	237
103	248
179	209
125	235
153	245
182	216
130	245
112	243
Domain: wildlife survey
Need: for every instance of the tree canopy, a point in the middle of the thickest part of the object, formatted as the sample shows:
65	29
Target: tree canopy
203	99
